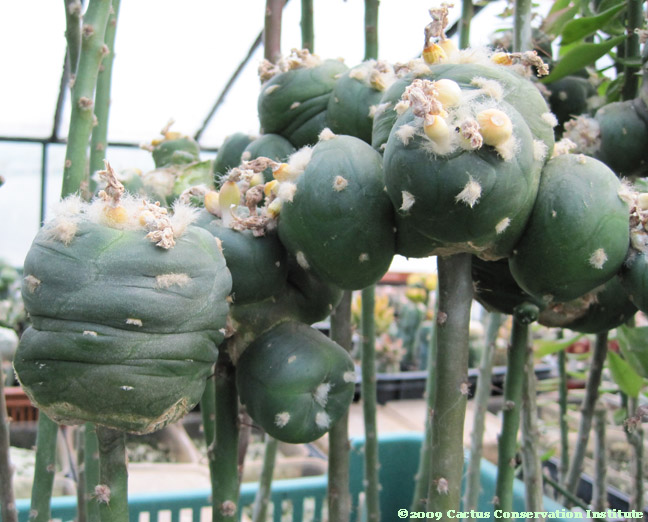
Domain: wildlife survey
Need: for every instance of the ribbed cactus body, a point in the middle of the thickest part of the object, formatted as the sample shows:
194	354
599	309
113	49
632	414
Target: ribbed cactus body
293	103
634	278
578	234
124	333
295	382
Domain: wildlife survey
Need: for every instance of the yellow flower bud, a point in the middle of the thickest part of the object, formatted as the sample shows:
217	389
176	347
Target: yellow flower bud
271	187
230	195
502	59
436	128
212	202
282	173
434	53
256	179
448	46
116	215
494	126
274	208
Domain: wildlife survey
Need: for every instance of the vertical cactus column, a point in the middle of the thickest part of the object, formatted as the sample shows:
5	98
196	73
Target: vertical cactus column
93	51
112	493
451	387
523	316
102	98
564	427
7	498
482	394
307	32
262	498
371	476
634	22
272	30
531	464
91	470
587	412
339	497
44	469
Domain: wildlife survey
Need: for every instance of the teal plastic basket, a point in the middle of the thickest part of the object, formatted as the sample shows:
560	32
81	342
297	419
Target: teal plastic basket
304	499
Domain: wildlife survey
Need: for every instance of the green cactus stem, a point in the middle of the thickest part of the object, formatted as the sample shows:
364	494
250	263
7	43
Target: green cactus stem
467	11
73	32
272	31
208	414
482	394
634	434
92	53
531	464
225	482
599	492
372	483
338	496
371	29
451	391
44	469
634	22
564	427
422	484
112	492
522	40
82	508
7	498
262	497
587	411
307	32
523	315
91	470
99	141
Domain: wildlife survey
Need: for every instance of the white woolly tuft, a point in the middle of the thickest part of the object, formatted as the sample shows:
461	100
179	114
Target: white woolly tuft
31	283
349	376
550	119
69	207
405	133
359	73
134	322
301	260
490	88
286	191
169	280
321	393
539	150
61	229
401	107
363	258
340	183
270	89
564	146
376	110
408	201
281	419
323	420
502	225
299	160
326	134
96	213
598	259
585	132
183	216
480	55
294	105
507	149
90	333
470	194
159	181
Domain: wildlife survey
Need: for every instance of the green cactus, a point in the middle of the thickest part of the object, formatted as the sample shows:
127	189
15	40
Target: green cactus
175	149
570	97
355	96
124	331
467	191
335	217
257	264
578	234
295	96
623	137
230	152
295	382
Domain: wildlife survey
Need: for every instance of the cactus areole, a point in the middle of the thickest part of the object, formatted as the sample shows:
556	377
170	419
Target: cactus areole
125	324
295	382
338	221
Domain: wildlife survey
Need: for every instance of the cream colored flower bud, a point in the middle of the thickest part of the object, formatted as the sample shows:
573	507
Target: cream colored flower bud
230	195
449	47
502	58
449	92
642	201
494	126
436	128
116	215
